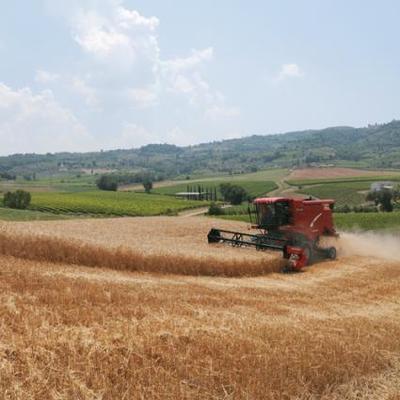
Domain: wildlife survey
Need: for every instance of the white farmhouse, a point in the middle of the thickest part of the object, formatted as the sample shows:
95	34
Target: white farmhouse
378	186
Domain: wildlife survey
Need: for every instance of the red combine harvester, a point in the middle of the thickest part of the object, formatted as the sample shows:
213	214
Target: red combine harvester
293	226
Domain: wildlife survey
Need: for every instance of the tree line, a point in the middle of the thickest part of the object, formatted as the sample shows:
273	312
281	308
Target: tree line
111	182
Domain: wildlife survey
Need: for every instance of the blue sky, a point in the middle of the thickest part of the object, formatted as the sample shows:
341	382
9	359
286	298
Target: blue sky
80	75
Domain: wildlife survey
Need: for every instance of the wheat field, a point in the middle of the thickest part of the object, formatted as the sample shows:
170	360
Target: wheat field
148	244
73	332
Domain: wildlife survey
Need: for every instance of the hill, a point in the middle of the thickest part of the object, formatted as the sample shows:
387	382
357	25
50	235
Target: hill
375	146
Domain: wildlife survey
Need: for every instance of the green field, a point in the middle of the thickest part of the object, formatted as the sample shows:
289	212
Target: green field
369	179
66	184
254	188
344	193
368	221
109	203
271	174
8	214
77	195
267	176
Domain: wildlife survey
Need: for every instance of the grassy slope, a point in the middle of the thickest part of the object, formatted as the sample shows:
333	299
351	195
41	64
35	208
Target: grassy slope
368	221
109	203
7	214
256	184
254	188
68	184
344	192
367	179
273	175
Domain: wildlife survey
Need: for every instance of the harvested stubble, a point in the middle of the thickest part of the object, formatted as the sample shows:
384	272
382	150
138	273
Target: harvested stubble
159	244
74	333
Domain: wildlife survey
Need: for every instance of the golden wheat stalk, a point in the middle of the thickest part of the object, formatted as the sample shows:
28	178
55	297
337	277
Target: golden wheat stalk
69	251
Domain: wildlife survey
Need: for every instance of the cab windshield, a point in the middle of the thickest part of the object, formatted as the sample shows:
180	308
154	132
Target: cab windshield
273	214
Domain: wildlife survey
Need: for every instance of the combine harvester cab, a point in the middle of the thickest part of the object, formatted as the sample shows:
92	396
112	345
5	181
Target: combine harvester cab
293	226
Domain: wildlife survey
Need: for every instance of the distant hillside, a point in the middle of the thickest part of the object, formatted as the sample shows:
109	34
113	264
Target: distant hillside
376	146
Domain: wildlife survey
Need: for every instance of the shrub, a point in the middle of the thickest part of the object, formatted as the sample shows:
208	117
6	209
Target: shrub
19	199
170	212
107	182
233	193
383	198
365	209
7	176
356	209
346	208
215	209
148	185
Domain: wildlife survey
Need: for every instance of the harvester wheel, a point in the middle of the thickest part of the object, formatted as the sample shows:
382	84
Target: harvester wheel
285	253
308	253
287	269
332	253
214	236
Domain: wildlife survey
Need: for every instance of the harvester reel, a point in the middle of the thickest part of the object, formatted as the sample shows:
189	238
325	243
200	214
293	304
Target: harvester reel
332	253
237	240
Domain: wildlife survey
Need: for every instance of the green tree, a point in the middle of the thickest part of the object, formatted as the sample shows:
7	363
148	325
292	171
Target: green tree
383	198
107	182
215	209
19	199
235	194
147	184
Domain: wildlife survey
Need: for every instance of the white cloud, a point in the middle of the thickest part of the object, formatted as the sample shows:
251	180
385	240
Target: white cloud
195	59
181	137
37	123
45	77
222	112
120	36
73	84
184	76
123	72
79	86
123	37
131	18
143	97
96	35
133	135
289	71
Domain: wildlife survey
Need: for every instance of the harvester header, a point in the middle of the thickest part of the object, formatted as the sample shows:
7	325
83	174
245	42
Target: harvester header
294	226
